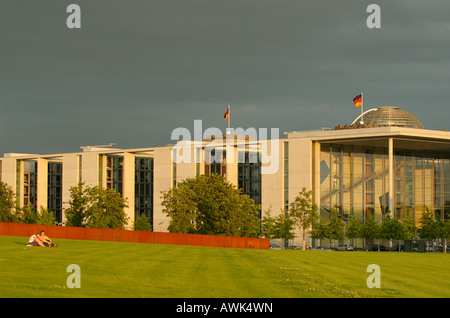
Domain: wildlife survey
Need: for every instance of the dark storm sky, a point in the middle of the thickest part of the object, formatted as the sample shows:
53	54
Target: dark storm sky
136	70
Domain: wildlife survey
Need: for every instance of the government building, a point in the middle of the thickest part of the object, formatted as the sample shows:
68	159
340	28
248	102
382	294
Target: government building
383	162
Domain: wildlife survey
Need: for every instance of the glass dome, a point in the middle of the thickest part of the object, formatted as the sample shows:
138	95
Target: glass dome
388	116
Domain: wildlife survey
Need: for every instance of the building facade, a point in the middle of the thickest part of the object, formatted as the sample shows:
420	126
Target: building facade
387	164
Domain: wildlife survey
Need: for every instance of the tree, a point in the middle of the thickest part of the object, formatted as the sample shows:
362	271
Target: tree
370	229
78	205
141	223
268	226
106	209
446	234
408	227
27	215
304	213
45	217
284	227
208	204
319	229
96	207
335	227
430	228
279	227
353	230
180	206
7	204
391	229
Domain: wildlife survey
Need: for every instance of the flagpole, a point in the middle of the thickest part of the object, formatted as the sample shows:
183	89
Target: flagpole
229	118
362	109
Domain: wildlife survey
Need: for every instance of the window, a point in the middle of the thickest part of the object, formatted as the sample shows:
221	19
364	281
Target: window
143	204
54	188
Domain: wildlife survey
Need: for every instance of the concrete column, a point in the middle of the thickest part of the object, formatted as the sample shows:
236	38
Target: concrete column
391	176
272	185
128	186
300	166
316	174
89	175
300	173
186	163
9	172
42	183
232	164
162	180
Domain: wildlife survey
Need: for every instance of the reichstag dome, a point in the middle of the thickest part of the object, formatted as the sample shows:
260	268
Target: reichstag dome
388	116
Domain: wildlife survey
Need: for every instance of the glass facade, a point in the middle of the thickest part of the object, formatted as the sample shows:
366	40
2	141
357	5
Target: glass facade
30	183
215	161
354	180
114	173
143	187
249	170
54	194
286	176
249	174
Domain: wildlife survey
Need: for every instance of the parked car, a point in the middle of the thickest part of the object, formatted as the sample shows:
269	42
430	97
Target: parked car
395	248
345	247
380	248
442	249
321	248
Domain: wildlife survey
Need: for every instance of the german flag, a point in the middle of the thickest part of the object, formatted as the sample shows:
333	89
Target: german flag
227	114
357	101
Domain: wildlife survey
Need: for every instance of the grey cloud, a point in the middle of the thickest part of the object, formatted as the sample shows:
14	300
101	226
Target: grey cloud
138	69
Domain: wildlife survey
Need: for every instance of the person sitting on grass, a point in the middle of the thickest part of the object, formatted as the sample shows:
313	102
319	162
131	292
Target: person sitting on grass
46	240
35	241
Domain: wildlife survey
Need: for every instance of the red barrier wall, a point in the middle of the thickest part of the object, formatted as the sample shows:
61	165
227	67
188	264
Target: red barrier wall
82	233
145	237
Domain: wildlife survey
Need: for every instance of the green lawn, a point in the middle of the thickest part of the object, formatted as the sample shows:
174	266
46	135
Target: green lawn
110	269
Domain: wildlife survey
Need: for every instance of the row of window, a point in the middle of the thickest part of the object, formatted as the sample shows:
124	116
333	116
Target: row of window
249	180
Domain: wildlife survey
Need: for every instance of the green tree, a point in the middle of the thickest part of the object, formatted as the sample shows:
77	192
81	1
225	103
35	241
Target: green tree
409	228
353	230
141	223
319	229
446	234
335	227
279	227
268	225
27	215
370	230
45	217
96	207
78	205
430	229
391	229
208	204
7	204
284	227
304	212
106	209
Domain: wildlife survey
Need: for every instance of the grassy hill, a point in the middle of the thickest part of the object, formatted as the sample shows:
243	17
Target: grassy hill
110	269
